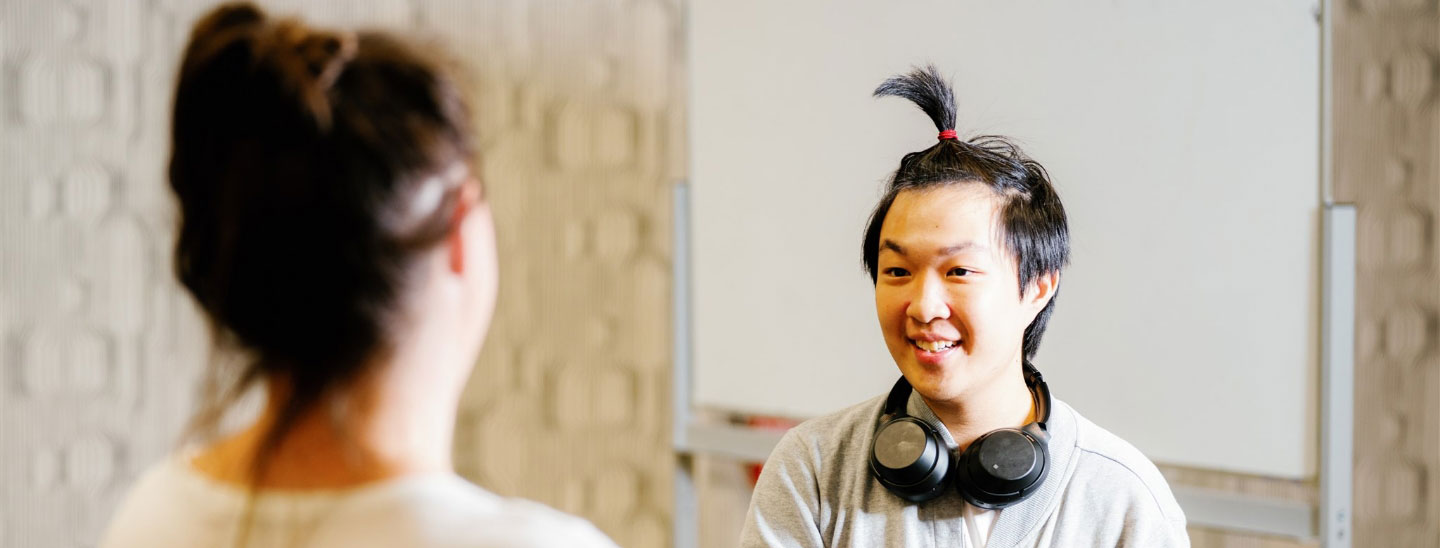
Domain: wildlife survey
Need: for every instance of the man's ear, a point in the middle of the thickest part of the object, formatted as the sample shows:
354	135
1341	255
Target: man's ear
1040	291
455	239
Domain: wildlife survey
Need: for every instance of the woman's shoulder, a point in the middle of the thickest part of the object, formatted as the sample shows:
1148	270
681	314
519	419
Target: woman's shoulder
163	498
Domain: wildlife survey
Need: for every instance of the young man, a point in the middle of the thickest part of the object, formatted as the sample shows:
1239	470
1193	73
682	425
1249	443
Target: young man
968	449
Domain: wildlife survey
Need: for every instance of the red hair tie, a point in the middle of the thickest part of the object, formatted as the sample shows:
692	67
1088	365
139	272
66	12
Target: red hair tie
947	134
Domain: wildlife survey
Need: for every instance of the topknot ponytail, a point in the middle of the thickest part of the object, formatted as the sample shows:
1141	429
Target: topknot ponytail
928	90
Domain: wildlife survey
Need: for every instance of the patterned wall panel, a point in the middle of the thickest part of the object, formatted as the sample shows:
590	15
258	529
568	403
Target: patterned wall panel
580	115
96	358
1386	163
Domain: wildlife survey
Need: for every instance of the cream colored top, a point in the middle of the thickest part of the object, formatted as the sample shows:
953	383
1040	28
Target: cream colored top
174	506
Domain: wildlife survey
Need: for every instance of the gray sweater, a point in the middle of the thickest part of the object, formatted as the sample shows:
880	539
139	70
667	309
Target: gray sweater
816	491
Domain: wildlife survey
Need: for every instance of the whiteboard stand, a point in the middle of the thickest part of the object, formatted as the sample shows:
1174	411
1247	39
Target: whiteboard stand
1337	376
1337	316
1329	520
686	528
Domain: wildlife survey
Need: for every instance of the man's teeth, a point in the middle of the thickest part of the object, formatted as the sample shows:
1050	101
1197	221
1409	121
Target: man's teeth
934	346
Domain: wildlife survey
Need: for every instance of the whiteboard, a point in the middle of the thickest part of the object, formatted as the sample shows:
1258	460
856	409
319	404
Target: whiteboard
1182	137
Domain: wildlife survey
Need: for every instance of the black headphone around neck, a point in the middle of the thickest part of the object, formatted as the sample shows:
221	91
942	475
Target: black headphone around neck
911	459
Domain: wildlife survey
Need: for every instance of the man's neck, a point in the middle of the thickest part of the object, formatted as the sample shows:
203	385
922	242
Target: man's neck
1005	402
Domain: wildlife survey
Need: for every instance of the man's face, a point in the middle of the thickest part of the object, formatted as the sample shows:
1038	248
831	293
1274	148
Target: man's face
947	292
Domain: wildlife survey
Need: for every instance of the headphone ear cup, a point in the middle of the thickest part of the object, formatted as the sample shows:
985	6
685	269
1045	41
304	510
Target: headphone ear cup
1001	468
910	459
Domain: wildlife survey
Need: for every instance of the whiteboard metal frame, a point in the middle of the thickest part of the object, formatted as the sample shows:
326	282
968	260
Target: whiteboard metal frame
1329	519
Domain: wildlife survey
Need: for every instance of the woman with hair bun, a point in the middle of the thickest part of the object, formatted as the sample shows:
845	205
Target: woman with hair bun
968	448
334	233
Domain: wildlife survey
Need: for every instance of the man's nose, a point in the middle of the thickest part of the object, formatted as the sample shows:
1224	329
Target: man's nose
927	303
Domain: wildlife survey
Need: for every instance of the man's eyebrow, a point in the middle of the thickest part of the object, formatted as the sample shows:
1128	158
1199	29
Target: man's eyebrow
954	249
943	252
892	246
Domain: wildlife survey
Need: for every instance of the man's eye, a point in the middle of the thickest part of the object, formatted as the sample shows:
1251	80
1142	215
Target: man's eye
896	272
957	271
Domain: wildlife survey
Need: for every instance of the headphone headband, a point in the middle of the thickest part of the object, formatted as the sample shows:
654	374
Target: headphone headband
1041	393
900	396
896	401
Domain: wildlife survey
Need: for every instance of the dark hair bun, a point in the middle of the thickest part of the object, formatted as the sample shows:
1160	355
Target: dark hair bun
309	61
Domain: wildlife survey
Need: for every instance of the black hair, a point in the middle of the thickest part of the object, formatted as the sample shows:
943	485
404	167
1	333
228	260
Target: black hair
1032	219
298	158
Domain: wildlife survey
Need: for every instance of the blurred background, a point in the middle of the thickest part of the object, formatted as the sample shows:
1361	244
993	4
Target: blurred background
582	105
